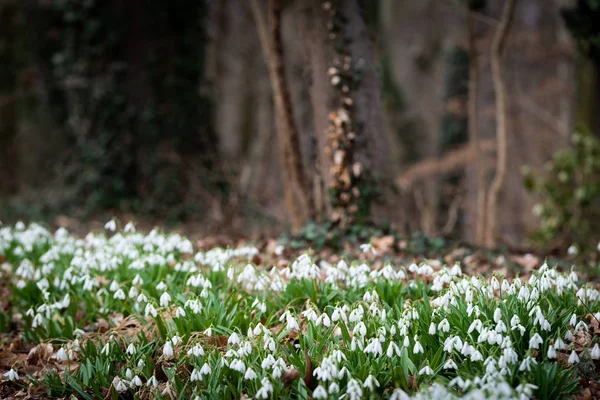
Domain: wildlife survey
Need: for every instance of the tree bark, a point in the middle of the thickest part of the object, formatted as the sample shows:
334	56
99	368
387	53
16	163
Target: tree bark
8	98
480	216
297	191
370	152
498	46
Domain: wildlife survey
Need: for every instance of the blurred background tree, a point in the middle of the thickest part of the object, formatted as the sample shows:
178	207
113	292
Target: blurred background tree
166	110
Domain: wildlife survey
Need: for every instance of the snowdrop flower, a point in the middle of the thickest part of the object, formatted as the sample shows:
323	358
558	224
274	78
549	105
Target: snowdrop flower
152	382
551	352
444	326
106	349
426	370
129	228
12	375
497	315
354	390
250	374
450	364
573	320
432	329
150	310
374	347
595	353
168	349
368	247
111	225
535	341
238	365
573	358
205	370
131	350
572	250
526	364
233	339
165	298
399	394
136	381
559	344
119	295
197	350
334	388
118	384
370	383
161	286
142	298
418	348
393	348
61	355
319	393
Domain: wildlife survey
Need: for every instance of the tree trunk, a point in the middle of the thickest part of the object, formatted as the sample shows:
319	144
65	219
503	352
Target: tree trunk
8	99
501	120
354	148
297	191
473	117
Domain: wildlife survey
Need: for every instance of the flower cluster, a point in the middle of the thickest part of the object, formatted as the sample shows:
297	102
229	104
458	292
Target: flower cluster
143	313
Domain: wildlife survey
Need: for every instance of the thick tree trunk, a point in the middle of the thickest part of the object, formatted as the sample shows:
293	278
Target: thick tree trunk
8	99
346	98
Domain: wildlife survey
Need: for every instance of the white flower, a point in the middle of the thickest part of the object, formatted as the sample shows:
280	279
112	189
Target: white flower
12	375
450	364
393	348
118	384
334	388
535	341
426	370
111	225
573	320
399	394
418	348
233	339
238	365
165	298
168	349
370	383
573	358
119	295
61	355
197	350
319	393
595	353
250	374
526	364
444	326
150	310
152	382
497	315
432	329
129	227
368	247
573	250
559	344
551	352
131	349
136	381
205	370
